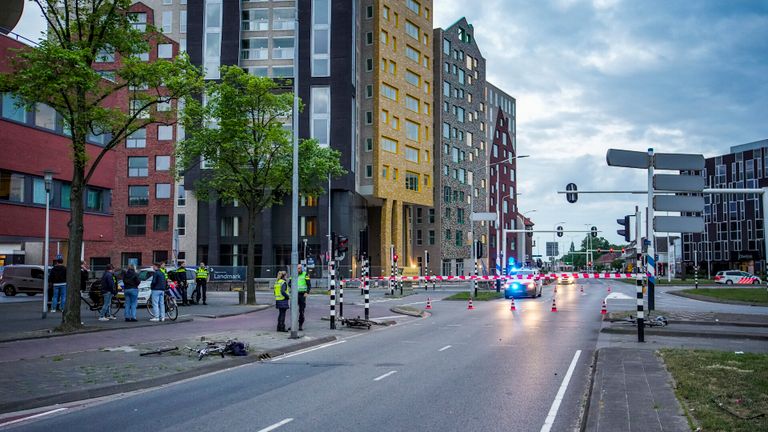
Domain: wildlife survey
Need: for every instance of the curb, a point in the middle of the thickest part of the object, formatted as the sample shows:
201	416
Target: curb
53	334
714	300
404	310
589	391
231	314
79	395
719	323
675	333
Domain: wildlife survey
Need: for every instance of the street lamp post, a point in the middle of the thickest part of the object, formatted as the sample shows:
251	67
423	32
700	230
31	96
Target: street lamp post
295	191
48	176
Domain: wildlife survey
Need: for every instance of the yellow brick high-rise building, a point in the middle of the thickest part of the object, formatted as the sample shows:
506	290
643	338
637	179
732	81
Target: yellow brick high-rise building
396	122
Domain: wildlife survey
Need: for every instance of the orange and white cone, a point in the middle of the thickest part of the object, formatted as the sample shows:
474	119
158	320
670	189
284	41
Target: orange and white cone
512	305
470	306
554	306
609	289
581	288
429	304
604	309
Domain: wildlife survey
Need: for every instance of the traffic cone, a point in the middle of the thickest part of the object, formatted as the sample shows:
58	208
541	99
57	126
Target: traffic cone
429	304
469	305
581	288
512	306
604	309
555	288
609	289
554	306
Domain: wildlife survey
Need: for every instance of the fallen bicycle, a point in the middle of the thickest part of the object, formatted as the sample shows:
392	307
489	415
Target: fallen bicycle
230	346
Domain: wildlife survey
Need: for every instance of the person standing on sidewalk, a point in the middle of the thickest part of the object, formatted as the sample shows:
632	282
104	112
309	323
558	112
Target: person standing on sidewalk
201	283
108	289
181	282
304	288
282	302
131	289
158	287
58	277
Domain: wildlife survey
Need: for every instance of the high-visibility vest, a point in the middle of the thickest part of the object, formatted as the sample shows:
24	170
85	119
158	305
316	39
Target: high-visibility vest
202	273
279	290
164	272
303	278
181	270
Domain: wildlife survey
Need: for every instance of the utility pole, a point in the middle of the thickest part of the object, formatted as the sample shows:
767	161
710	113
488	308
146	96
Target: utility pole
651	258
295	191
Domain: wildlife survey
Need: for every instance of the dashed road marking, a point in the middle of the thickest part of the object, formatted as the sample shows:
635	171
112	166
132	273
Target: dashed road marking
444	348
276	425
385	375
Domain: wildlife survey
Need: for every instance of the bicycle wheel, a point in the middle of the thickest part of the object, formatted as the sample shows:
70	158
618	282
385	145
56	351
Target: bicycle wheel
149	307
115	306
171	308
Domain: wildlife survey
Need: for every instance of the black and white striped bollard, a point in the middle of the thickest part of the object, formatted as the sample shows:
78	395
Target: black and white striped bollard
341	300
332	290
640	313
366	289
474	281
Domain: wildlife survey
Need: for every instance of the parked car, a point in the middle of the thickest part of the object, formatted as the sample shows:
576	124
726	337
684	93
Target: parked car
21	278
730	277
145	276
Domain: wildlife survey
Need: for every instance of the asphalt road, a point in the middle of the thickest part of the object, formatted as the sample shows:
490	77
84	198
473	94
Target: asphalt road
487	369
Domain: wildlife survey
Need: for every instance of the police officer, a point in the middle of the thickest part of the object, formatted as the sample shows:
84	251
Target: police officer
201	282
181	280
304	287
282	302
164	271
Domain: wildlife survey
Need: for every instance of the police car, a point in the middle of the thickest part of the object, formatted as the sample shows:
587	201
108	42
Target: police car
524	283
731	277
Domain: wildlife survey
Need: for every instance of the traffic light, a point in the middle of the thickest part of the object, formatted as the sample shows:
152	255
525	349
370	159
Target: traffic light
342	244
599	250
593	232
427	256
394	257
559	231
623	251
610	250
478	249
625	231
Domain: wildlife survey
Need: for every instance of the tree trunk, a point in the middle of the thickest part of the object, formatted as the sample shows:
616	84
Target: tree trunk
70	319
250	283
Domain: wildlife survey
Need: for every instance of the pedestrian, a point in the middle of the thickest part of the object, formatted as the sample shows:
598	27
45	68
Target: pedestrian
108	289
158	286
131	289
181	282
201	283
58	277
304	287
282	300
84	274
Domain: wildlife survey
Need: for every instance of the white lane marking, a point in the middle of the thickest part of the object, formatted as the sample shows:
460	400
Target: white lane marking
560	393
444	348
385	375
43	414
309	350
389	317
453	325
276	425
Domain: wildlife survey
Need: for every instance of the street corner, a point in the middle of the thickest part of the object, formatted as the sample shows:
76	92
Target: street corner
410	311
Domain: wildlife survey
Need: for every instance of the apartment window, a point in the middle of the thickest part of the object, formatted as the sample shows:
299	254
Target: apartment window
45	117
418	238
321	37
412	78
446	130
138	139
181	196
385	171
282	48
11	110
425	62
414	6
411	181
431	237
182	21
181	224
369	12
369	91
167	22
162	163
164	133
283	19
388	91
261	71
164	105
308	226
282	71
135	225
368	117
460	215
368	171
412	53
165	51
229	226
138	166
412	103
255	20
137	109
459	238
160	223
138	196
254	49
411	154
412	130
388	144
321	115
139	21
412	29
448	234
163	190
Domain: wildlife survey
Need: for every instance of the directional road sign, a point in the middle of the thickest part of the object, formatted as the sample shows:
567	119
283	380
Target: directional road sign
678	224
678	203
552	249
627	158
489	216
678	161
678	183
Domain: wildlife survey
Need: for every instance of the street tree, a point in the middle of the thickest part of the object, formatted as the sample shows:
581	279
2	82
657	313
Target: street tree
60	73
240	133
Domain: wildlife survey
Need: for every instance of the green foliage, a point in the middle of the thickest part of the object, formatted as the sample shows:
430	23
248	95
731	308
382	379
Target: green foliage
580	260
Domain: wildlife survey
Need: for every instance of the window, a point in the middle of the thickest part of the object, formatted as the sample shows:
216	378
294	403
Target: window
412	78
446	89
412	130
66	190
229	226
431	215
94	200
448	234
45	117
181	196
137	139
446	130
282	71
181	224
431	237
369	12
11	187
460	215
413	6
412	53
165	51
138	196
369	144
254	49
368	171
138	166
385	13
163	105
368	117
384	171
412	30
159	256
368	65
182	21
425	62
160	223
255	20
38	191
162	190
135	106
283	19
321	115
446	47
282	48
411	154
164	133
412	103
308	226
388	144
162	163
139	21
11	111
459	238
388	91
167	26
411	181
321	37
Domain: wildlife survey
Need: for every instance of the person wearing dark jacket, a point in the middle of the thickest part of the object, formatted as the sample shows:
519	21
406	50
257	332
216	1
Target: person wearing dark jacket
58	278
131	289
108	289
180	275
282	301
158	286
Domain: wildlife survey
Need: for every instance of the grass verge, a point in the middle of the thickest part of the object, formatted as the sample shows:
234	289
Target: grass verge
660	280
481	296
749	295
620	315
721	391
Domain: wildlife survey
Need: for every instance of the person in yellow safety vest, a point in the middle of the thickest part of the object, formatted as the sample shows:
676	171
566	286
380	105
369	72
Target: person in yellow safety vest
164	272
304	288
181	281
201	284
282	302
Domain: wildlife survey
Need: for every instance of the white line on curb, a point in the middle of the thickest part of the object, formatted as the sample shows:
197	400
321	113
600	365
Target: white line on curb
560	393
309	350
276	425
444	348
385	375
43	414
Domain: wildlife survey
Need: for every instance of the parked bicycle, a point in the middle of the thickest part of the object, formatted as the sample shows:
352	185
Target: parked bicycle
171	307
95	300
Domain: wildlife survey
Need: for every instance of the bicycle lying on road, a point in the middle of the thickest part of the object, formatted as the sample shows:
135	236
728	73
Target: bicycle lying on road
171	307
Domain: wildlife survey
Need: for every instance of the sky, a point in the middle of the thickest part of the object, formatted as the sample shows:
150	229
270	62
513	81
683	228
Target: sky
588	75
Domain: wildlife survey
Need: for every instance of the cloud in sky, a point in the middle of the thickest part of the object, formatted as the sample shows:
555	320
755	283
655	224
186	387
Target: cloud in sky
677	76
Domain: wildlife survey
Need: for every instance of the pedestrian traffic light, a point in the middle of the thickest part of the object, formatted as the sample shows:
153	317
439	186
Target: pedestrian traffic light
625	231
342	244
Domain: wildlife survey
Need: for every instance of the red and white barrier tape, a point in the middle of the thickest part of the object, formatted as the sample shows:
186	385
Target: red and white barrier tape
508	277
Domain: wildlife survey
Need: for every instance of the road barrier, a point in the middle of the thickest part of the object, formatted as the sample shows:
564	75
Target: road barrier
504	277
